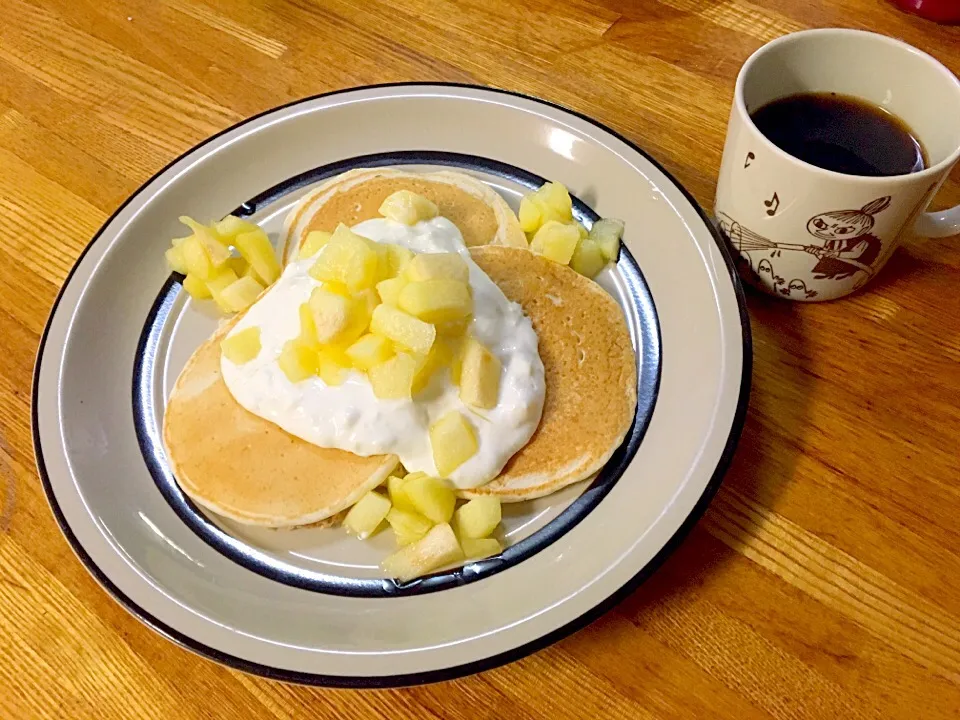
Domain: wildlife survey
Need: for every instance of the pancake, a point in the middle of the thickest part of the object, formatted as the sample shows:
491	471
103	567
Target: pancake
246	468
591	374
480	213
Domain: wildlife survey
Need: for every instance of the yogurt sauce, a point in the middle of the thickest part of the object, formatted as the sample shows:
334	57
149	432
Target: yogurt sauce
350	417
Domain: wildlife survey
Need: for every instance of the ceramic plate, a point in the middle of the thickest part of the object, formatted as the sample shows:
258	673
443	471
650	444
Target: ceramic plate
309	605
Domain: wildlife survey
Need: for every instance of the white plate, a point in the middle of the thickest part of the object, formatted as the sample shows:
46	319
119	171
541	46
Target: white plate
309	605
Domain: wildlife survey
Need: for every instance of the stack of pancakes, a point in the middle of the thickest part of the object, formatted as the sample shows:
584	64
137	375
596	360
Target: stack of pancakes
246	468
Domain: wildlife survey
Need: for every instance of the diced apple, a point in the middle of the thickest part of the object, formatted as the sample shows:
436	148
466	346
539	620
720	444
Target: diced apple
240	294
315	241
607	233
399	256
397	493
231	226
213	245
529	215
453	329
476	548
588	259
438	358
196	287
176	259
297	361
555	197
393	379
431	497
365	516
369	350
218	282
477	518
332	365
479	376
389	290
437	266
408	525
347	258
556	241
437	300
195	258
437	548
406	330
408	207
332	314
256	249
453	442
308	330
582	230
241	347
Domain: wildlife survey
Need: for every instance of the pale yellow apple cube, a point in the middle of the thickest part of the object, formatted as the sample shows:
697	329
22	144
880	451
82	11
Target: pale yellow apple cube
176	259
439	357
530	216
555	198
399	257
196	287
477	548
453	442
405	330
332	314
398	496
256	249
308	330
437	301
437	266
315	242
369	350
365	516
431	497
607	233
437	548
231	226
241	347
389	290
479	375
297	361
393	379
218	282
332	365
213	244
556	241
408	526
477	518
408	207
347	258
241	294
195	259
588	259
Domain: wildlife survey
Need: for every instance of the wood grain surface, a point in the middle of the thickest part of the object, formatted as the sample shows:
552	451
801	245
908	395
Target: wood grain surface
823	582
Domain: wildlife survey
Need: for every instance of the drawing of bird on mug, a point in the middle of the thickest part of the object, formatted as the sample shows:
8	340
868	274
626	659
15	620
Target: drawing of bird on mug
849	246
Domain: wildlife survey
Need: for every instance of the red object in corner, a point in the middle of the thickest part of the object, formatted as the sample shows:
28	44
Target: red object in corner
941	11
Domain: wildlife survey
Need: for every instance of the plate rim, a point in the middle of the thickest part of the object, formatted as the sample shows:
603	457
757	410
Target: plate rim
474	666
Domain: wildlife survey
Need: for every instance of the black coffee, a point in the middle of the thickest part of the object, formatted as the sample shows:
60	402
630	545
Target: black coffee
841	133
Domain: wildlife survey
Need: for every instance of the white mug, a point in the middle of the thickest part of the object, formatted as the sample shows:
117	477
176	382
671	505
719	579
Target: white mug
809	234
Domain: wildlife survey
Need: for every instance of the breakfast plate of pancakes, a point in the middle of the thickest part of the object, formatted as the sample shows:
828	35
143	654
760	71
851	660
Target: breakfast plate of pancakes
205	493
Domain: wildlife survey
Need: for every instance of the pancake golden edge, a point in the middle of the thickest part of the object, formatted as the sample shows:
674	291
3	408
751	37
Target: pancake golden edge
590	372
481	214
246	468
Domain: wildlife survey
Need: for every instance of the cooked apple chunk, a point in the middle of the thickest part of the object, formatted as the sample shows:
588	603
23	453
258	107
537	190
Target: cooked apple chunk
404	329
437	266
437	301
241	347
479	375
365	516
453	442
437	548
408	208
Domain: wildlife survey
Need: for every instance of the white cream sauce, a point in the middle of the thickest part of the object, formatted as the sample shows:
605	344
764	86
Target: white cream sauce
350	417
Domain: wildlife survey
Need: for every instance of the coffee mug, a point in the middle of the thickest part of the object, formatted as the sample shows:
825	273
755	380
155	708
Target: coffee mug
809	234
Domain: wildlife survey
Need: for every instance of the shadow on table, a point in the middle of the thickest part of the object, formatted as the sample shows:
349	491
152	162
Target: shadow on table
766	458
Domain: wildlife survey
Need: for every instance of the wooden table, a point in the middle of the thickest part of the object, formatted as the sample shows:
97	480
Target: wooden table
824	581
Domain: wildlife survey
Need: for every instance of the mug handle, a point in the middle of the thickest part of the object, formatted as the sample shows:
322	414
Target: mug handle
942	223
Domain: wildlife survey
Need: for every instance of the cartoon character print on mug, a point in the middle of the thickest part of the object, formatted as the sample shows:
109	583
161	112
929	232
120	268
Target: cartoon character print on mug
842	247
